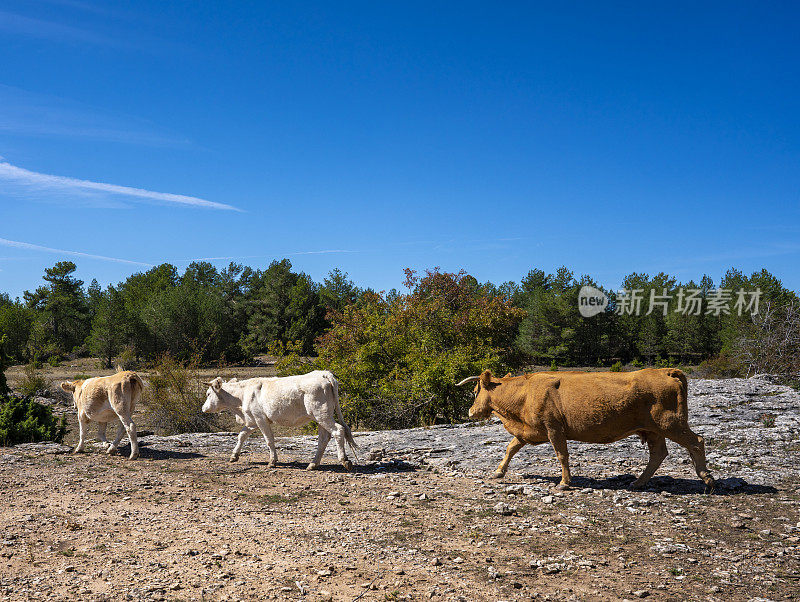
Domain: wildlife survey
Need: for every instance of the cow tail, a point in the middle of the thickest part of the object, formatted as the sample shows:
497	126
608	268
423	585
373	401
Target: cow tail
137	386
348	434
683	391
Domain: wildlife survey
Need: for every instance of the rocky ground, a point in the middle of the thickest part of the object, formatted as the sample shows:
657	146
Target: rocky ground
417	519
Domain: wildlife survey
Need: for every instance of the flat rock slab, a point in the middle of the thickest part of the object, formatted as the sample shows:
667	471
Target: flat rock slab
751	426
45	447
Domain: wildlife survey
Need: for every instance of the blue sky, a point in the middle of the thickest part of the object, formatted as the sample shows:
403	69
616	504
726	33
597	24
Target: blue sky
371	136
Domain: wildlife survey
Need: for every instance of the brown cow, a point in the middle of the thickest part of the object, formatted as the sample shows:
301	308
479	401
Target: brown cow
593	407
105	399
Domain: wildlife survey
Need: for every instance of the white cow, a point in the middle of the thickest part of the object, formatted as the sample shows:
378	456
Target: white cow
287	401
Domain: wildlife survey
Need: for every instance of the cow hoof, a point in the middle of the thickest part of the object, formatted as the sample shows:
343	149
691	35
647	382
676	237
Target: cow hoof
498	475
312	466
272	464
111	450
134	456
234	459
76	451
563	487
638	485
348	465
710	487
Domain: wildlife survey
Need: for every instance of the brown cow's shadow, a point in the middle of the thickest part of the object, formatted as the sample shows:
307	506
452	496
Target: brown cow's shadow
660	484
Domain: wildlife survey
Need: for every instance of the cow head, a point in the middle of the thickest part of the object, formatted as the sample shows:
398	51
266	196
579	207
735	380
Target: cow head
484	385
215	397
72	386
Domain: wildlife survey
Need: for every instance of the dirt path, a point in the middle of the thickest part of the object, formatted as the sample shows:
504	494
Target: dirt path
421	522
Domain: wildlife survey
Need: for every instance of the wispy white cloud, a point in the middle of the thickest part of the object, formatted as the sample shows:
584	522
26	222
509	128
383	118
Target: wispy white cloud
773	250
27	113
65	188
326	252
77	23
85	6
40	28
31	247
242	257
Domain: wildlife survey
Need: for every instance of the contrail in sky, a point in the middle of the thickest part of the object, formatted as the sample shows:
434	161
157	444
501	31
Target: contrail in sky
26	245
66	185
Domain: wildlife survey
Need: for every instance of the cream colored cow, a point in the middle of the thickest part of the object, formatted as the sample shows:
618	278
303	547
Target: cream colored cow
105	399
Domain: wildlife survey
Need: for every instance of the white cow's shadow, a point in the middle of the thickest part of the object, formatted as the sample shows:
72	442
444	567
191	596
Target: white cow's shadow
384	468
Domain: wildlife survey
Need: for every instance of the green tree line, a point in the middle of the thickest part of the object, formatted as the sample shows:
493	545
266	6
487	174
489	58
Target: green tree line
233	314
398	354
226	315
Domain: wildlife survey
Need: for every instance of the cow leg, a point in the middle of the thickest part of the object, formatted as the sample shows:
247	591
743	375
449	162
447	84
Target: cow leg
83	423
337	430
338	435
514	446
559	443
130	428
696	446
243	435
269	437
323	436
101	434
118	438
657	445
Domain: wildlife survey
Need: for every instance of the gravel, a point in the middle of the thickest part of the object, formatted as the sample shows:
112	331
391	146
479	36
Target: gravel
741	451
418	518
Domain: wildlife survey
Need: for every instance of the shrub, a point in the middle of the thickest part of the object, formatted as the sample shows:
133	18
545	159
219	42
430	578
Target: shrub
127	359
290	362
616	366
4	390
553	366
636	363
768	420
771	341
53	361
33	382
81	377
175	398
721	366
22	420
399	356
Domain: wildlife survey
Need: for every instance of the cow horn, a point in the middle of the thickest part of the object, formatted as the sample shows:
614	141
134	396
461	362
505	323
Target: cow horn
469	379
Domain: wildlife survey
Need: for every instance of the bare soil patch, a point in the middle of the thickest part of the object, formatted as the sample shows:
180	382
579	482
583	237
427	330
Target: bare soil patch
417	519
191	526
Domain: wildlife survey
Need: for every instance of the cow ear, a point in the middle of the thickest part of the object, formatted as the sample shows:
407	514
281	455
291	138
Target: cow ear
215	384
68	386
486	378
